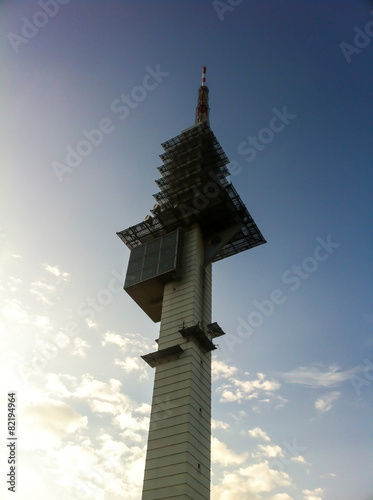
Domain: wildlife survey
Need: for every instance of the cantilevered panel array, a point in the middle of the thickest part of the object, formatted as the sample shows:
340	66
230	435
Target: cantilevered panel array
194	189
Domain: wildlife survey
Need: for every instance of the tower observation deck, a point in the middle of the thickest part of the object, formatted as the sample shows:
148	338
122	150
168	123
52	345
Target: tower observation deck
198	219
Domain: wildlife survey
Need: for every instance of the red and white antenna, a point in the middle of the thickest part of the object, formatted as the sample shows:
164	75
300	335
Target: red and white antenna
202	110
203	76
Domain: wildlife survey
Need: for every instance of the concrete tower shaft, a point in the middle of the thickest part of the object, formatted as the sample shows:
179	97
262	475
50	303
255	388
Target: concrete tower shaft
178	453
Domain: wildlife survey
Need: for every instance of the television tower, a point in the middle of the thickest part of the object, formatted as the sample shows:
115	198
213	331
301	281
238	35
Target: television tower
198	219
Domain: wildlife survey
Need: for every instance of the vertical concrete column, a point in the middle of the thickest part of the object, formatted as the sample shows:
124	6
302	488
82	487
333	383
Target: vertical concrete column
179	443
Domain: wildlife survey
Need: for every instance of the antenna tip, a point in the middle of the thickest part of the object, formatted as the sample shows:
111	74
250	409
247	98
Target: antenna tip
203	76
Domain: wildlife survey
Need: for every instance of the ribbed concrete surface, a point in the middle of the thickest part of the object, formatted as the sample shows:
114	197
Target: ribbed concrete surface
179	443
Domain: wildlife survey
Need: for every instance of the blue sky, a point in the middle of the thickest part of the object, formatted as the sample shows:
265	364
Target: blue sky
292	390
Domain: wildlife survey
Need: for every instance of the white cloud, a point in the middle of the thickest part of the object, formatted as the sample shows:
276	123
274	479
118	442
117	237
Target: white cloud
222	370
44	323
42	290
281	496
90	323
325	403
263	479
239	416
312	495
223	455
114	338
144	409
132	364
100	470
129	364
44	424
270	451
14	311
248	386
298	459
130	342
80	347
91	389
218	424
259	433
247	483
107	398
229	396
77	470
134	428
329	474
281	402
13	283
41	297
56	387
55	270
313	377
240	390
43	286
82	465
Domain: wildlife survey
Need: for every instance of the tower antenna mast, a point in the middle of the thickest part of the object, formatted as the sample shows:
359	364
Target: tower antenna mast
202	110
